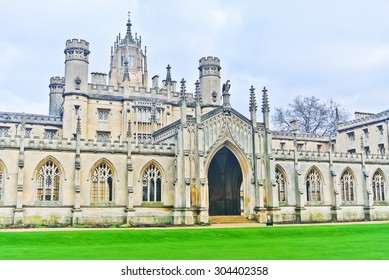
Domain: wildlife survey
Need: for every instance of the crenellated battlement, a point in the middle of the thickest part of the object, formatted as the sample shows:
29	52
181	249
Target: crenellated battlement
86	146
30	118
57	80
315	156
77	44
209	60
114	92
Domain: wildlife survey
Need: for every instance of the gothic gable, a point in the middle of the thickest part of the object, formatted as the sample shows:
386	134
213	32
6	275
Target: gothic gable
233	127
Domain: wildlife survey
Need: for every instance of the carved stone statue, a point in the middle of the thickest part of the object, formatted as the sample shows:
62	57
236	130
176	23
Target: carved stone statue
226	86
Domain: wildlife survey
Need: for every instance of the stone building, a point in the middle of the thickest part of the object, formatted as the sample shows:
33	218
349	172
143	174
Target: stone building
114	150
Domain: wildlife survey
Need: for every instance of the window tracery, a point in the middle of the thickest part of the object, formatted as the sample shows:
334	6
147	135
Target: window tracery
48	182
102	183
313	185
347	183
378	186
152	184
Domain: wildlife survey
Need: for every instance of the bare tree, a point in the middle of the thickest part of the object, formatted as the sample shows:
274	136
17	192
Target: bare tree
313	115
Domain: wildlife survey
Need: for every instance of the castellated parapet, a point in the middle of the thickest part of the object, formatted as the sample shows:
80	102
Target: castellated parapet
209	74
99	78
209	63
77	49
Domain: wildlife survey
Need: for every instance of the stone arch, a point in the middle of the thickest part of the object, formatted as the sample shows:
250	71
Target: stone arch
56	162
147	165
238	189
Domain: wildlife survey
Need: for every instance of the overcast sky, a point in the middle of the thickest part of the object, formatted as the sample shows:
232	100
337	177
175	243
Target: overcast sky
328	49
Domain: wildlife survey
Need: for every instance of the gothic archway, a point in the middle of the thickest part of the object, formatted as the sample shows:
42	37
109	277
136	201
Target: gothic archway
224	184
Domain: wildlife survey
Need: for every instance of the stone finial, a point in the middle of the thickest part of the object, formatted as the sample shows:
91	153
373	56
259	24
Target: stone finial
183	89
226	96
126	74
78	127
129	130
168	75
253	101
129	37
197	92
153	112
265	101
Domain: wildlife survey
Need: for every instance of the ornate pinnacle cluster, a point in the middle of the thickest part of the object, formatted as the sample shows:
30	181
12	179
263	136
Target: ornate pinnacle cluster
78	127
253	101
183	89
265	101
129	37
197	92
168	75
129	130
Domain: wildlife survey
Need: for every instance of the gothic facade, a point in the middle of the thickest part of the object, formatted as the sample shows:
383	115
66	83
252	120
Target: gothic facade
114	150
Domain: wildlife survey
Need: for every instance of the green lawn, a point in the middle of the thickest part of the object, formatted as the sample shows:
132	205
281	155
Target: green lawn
321	242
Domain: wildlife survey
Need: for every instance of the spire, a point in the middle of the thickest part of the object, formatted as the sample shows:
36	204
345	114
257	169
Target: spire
168	75
129	37
198	101
183	90
253	101
183	102
265	101
265	108
197	92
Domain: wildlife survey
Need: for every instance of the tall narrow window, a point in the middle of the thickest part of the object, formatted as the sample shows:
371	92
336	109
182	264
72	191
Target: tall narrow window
347	185
281	183
102	184
313	184
1	182
48	181
152	184
378	186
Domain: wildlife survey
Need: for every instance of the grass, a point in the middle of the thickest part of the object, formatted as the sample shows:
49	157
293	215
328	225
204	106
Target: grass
321	242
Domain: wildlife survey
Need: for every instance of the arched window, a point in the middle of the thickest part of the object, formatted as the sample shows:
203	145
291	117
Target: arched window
1	182
313	184
152	184
281	183
102	183
378	186
48	181
347	185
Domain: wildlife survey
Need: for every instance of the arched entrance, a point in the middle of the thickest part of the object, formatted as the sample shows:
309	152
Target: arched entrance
224	184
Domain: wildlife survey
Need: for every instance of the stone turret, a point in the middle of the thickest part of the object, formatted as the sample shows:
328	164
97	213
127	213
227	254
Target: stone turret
76	66
210	82
128	61
76	87
57	87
